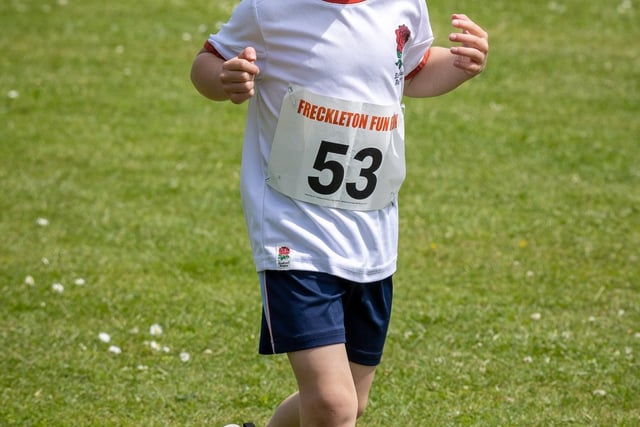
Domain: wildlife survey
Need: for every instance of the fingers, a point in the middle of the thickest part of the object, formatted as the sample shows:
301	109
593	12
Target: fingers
464	23
474	49
469	60
238	76
248	54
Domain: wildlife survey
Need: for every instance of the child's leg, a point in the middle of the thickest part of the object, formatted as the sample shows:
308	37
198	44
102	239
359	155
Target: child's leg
316	312
287	414
363	379
333	392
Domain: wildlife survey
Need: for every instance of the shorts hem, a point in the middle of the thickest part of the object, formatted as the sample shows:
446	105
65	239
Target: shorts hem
291	345
364	358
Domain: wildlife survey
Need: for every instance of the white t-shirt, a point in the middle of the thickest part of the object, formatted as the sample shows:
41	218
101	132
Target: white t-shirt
357	51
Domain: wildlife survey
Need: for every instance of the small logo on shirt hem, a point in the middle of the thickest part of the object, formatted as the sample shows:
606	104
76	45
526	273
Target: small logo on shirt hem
283	257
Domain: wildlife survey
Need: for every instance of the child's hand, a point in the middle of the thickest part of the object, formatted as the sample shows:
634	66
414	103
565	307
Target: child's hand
238	75
472	55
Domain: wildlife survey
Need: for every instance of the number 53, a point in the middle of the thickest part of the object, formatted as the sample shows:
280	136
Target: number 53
336	168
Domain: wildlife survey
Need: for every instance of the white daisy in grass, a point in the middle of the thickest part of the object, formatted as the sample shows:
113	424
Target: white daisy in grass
536	316
556	7
42	222
600	392
115	349
185	357
625	7
79	281
104	337
156	346
29	280
155	330
13	94
57	288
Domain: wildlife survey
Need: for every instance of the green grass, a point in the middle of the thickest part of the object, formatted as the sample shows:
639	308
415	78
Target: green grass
518	289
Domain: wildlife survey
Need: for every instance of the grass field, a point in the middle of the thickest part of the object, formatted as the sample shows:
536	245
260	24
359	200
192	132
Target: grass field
518	290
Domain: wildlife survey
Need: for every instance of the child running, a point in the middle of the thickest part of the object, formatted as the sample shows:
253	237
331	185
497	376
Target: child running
322	165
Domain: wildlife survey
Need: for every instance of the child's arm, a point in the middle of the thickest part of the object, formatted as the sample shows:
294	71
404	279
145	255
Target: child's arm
446	69
222	80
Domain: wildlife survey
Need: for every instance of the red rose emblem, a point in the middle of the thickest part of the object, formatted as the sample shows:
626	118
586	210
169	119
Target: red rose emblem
283	250
403	33
402	37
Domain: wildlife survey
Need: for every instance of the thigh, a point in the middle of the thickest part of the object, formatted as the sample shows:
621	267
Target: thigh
363	379
321	367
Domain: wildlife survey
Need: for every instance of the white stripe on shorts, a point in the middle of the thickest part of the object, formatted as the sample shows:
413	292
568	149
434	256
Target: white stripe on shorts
265	307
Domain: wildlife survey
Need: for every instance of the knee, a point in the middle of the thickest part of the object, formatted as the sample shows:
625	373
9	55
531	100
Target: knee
334	408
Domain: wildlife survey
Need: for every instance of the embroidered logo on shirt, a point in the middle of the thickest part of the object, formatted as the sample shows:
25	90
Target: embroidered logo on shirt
403	33
284	257
402	37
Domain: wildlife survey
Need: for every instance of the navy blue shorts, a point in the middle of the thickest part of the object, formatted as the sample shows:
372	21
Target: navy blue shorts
303	310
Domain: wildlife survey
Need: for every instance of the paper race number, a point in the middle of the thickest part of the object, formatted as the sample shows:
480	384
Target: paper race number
337	153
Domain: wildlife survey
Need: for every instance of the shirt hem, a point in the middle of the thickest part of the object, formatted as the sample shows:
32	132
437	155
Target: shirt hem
348	272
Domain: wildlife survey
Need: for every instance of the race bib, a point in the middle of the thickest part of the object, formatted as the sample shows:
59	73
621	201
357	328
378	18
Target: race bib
337	153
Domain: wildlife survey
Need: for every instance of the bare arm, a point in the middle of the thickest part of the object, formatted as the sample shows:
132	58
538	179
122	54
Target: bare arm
447	69
222	80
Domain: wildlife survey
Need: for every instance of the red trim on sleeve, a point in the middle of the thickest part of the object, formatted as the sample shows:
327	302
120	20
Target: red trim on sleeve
420	66
209	47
